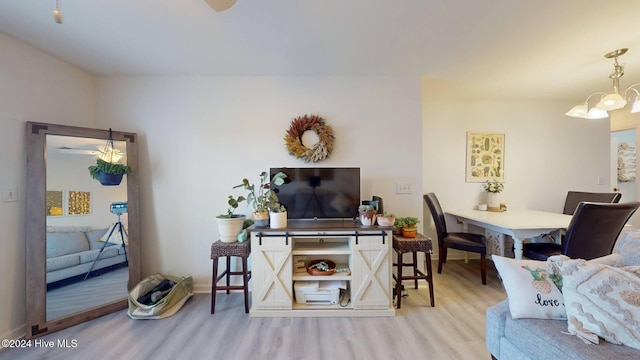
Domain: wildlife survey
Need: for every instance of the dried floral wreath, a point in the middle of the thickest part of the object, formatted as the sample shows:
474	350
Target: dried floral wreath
321	149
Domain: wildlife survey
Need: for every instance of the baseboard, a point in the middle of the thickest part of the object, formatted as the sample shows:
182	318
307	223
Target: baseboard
14	334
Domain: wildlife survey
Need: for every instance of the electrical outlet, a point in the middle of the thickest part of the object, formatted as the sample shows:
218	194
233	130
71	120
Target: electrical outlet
404	188
9	193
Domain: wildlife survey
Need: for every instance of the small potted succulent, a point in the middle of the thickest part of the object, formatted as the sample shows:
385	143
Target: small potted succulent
278	216
398	224
230	224
386	219
367	215
409	230
262	198
109	174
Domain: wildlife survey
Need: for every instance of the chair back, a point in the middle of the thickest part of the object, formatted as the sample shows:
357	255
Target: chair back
575	197
438	216
595	227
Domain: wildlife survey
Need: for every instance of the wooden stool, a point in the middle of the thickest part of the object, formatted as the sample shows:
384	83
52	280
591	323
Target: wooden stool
403	245
239	249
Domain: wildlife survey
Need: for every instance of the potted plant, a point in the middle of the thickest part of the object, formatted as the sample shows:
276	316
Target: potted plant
108	174
278	216
398	225
386	219
262	198
409	230
230	224
367	215
493	188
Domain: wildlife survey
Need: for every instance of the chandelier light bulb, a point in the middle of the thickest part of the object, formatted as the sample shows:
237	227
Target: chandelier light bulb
57	14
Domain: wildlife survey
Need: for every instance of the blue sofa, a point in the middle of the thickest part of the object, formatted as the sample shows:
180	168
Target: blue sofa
71	250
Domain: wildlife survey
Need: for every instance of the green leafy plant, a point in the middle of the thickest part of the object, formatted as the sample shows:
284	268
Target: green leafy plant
278	208
363	208
399	222
493	186
262	198
109	168
233	204
411	221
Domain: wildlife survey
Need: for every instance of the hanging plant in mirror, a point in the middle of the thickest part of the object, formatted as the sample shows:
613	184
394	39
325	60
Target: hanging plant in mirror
107	170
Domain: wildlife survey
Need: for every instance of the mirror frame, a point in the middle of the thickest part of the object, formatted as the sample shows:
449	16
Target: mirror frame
36	222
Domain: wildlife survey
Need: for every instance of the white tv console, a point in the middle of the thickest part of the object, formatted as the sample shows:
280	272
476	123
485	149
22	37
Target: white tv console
364	250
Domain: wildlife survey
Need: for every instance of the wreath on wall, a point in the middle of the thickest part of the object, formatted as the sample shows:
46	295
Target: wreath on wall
320	150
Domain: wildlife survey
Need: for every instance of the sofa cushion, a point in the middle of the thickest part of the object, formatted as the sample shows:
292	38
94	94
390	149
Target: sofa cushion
94	238
602	301
544	339
116	237
66	243
90	256
531	292
61	262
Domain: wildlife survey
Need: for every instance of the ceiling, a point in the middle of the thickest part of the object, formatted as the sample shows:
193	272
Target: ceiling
529	49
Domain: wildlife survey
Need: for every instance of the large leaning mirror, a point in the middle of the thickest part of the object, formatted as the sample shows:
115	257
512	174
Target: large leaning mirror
83	248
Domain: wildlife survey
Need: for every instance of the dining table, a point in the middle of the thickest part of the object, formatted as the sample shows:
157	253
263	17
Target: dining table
519	224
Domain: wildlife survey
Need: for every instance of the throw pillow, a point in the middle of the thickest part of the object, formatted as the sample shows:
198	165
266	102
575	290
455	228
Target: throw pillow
629	249
601	301
116	237
531	292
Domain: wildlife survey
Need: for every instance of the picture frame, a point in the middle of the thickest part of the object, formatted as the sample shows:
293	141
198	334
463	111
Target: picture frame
485	157
78	203
55	206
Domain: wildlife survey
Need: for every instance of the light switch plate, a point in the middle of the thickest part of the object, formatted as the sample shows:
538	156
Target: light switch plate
404	188
9	193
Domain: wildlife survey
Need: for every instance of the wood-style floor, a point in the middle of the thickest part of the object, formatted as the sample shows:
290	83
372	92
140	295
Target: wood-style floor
453	329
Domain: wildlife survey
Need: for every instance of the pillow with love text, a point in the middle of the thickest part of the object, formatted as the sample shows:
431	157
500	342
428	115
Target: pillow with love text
531	291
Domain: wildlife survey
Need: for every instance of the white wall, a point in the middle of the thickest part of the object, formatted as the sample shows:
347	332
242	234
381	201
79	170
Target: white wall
200	136
34	86
546	152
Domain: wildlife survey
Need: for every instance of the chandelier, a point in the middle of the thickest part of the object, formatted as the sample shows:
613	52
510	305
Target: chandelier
612	101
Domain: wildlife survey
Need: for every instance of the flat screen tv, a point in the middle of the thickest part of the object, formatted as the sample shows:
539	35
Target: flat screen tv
319	193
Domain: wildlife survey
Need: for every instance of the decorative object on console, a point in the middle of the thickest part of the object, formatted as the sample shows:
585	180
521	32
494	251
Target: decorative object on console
485	157
321	267
409	229
230	224
612	101
386	219
398	224
367	215
531	290
320	150
278	217
265	198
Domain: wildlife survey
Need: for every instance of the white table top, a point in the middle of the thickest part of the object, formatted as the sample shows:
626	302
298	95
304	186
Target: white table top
514	219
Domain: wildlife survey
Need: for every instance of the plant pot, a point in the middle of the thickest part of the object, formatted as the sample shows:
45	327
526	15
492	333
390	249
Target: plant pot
397	231
229	228
368	218
107	179
260	218
493	201
409	231
278	220
386	220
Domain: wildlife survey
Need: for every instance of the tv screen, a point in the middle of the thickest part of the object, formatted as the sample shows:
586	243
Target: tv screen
319	193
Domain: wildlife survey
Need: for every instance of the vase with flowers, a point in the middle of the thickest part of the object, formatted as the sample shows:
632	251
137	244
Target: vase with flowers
493	189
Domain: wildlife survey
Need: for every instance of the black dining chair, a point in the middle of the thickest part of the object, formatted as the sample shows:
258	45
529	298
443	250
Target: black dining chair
592	232
575	197
464	241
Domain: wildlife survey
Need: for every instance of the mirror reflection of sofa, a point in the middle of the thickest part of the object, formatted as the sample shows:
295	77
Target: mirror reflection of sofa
71	250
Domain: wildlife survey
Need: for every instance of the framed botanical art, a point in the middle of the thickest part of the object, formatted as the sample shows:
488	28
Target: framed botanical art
485	157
